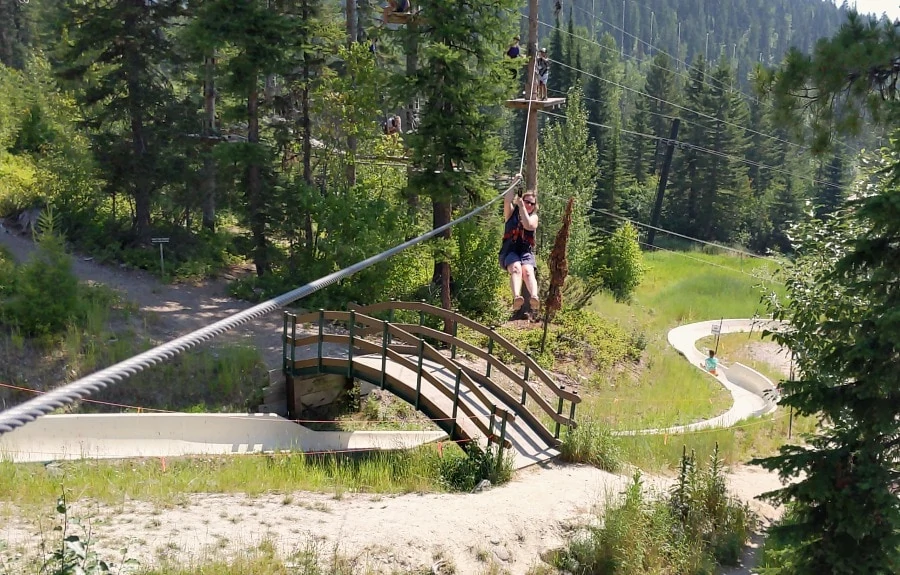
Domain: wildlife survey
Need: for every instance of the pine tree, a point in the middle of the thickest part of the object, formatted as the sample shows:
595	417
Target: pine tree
15	34
568	163
259	38
843	327
115	53
462	80
830	190
640	147
662	89
605	117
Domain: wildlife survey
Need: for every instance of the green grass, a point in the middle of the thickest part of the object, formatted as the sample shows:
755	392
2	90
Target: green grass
416	470
678	288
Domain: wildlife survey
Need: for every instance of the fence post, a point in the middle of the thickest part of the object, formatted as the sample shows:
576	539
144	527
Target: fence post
350	349
558	412
284	344
525	379
490	350
321	335
455	332
572	415
502	439
294	341
419	371
385	336
422	314
391	317
456	400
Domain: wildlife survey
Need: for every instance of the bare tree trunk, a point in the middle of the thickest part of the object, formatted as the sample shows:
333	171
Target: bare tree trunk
254	190
141	222
351	139
208	206
442	214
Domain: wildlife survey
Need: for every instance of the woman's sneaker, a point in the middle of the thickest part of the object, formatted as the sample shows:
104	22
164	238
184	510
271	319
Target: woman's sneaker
518	302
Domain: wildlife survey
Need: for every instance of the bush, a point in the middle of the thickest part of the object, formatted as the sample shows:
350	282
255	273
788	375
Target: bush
691	531
463	470
581	336
622	262
592	443
42	293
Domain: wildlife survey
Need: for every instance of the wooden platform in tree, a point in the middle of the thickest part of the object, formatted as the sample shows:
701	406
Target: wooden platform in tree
548	104
399	17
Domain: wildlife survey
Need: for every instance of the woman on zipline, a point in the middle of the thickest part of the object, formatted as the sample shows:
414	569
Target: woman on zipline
517	251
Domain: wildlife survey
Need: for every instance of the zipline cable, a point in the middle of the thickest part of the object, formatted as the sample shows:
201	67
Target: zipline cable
32	409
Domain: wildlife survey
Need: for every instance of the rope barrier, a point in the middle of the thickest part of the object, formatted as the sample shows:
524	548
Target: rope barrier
30	410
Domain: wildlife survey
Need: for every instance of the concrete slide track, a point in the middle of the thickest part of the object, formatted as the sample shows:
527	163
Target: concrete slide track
58	437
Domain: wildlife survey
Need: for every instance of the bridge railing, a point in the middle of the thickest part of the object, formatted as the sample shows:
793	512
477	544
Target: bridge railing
543	380
360	326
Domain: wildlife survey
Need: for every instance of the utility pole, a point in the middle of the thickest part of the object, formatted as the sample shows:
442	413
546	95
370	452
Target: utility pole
351	139
531	130
663	180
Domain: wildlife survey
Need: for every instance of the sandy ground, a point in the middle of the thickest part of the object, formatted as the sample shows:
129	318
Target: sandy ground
511	525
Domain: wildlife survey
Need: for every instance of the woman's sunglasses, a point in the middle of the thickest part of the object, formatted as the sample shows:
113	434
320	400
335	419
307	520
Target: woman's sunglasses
529	202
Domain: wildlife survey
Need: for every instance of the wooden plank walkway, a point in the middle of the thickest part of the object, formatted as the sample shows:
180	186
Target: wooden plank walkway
530	448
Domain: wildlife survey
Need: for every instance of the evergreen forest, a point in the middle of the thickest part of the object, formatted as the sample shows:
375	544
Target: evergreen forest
249	131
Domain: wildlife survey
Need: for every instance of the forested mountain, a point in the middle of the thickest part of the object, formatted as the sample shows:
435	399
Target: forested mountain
253	129
746	31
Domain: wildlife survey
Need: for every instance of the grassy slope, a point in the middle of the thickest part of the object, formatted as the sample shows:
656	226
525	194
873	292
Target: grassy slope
678	288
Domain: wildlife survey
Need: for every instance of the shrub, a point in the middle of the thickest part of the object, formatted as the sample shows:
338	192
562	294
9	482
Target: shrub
696	527
463	470
592	443
622	262
43	293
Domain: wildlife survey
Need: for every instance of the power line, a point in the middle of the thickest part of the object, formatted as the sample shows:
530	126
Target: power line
686	65
699	260
678	106
693	239
683	144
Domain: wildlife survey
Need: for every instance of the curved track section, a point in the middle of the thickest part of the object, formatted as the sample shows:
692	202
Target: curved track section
753	394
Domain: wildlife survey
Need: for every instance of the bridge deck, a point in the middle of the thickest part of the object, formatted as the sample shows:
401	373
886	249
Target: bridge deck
530	448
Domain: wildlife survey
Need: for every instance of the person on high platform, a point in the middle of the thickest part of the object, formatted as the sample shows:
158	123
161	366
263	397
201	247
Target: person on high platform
542	70
517	251
514	52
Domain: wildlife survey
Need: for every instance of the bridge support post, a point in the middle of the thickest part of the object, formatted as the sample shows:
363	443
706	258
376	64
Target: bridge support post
455	400
385	339
284	344
571	415
294	342
502	440
321	336
419	371
558	412
350	348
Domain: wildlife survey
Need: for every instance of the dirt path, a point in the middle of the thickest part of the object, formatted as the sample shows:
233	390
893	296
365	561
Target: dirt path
510	526
176	309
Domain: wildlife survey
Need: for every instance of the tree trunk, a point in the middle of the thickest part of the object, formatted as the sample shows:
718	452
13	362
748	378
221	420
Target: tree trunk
208	206
254	189
351	138
442	214
141	223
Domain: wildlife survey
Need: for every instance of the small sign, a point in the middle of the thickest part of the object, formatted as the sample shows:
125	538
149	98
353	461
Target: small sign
715	329
160	240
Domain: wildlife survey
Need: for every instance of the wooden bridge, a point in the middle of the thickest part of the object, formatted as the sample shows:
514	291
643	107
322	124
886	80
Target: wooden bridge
514	410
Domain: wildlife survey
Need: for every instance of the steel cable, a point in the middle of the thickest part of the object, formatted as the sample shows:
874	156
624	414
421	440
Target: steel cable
30	410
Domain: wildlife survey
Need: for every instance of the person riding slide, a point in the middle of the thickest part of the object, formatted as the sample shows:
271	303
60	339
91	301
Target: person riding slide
517	251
